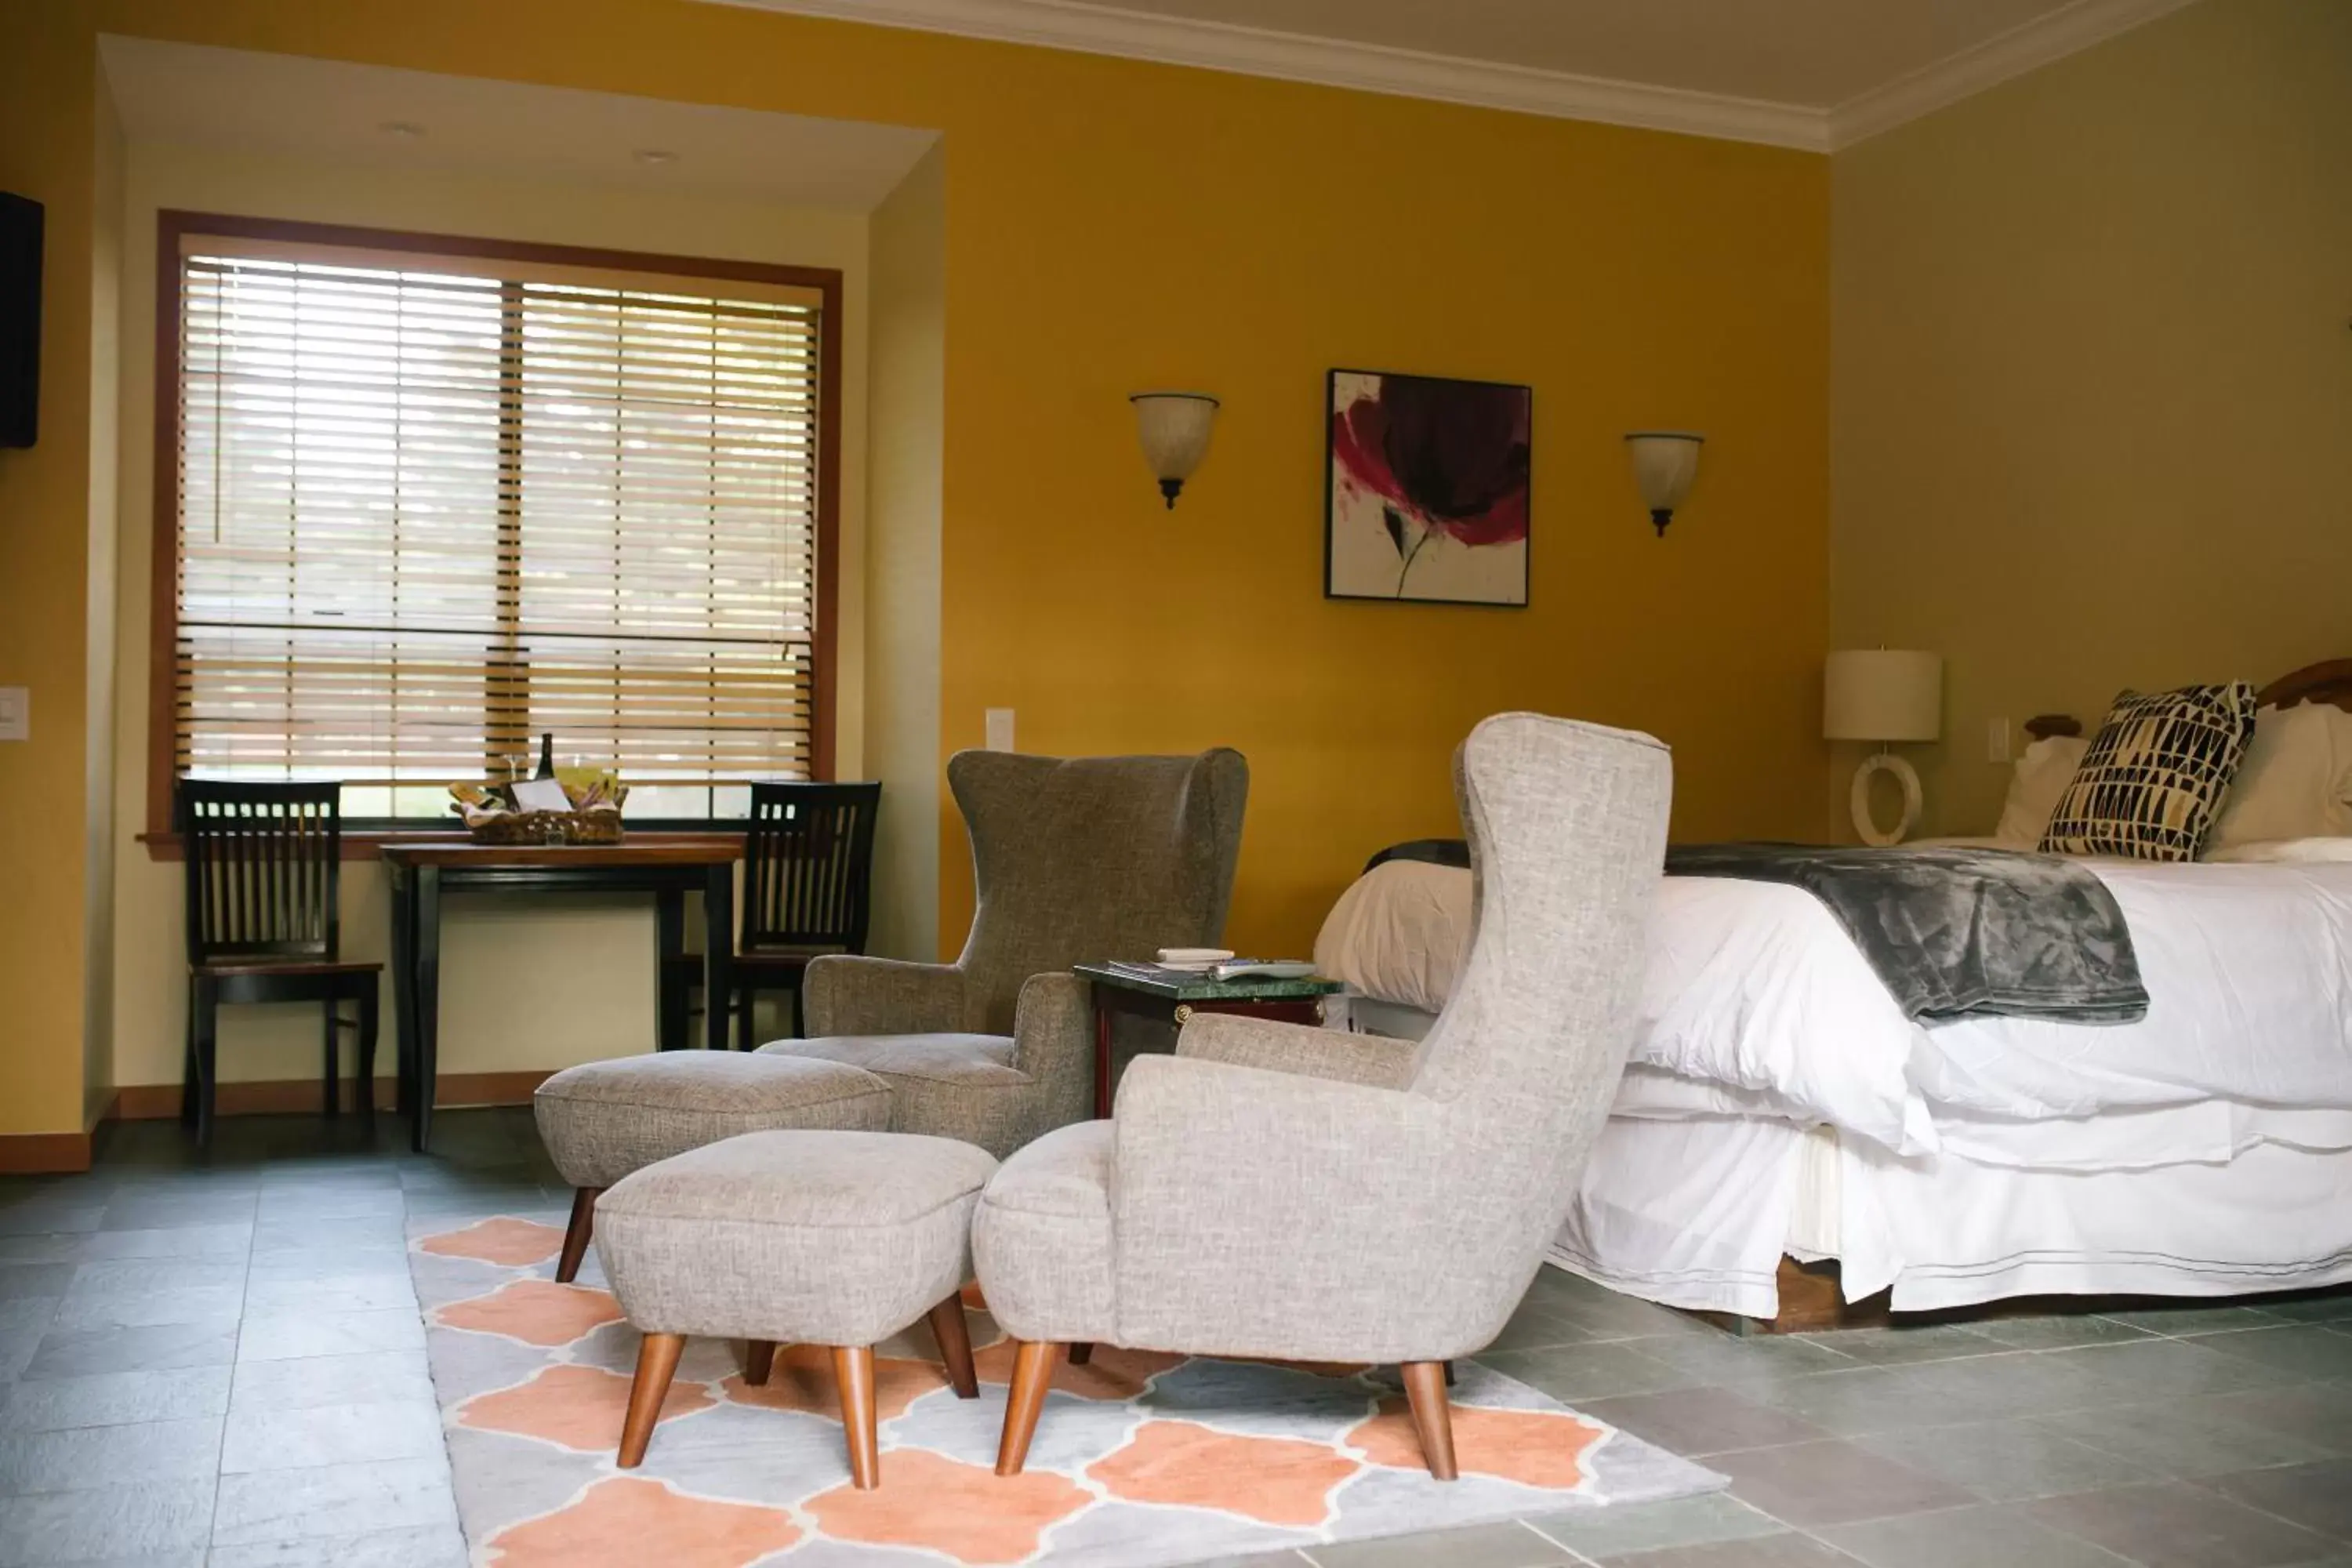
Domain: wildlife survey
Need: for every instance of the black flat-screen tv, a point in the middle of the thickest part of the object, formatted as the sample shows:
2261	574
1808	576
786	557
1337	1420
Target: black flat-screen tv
20	320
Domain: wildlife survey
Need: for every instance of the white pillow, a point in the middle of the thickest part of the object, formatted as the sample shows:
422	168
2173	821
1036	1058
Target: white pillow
2287	852
2042	773
1399	934
2294	782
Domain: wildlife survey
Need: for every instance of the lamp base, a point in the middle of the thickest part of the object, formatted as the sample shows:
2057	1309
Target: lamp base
1904	775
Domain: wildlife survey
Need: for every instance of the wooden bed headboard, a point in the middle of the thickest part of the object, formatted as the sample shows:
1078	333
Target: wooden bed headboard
2329	681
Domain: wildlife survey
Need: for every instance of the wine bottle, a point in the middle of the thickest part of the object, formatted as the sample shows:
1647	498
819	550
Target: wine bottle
546	756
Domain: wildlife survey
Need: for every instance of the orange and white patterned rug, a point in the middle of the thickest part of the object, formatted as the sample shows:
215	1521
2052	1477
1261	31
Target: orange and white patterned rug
1140	1459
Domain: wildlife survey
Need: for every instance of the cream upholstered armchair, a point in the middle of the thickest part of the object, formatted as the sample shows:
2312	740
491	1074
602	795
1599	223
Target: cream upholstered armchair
1278	1191
1085	857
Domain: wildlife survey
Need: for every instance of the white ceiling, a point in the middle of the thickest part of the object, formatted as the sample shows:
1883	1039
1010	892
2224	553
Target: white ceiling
1813	54
1804	73
289	105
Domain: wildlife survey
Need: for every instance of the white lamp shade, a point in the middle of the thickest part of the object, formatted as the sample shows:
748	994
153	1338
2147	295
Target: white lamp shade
1883	694
1664	463
1174	426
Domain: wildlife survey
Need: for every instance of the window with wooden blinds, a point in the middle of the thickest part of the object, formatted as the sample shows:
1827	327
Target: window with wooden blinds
430	503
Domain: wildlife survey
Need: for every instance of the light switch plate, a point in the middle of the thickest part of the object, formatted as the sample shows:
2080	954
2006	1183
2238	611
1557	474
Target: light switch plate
1000	729
15	713
1996	740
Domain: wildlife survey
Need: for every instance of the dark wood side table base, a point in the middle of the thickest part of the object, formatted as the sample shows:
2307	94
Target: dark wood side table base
421	873
1112	1001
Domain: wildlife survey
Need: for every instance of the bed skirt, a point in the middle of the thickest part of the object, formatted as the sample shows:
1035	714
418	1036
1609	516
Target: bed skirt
1697	1213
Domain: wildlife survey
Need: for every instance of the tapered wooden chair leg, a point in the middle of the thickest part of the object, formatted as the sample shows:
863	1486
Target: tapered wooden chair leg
1082	1353
853	1376
759	1361
1432	1419
1033	1373
656	1362
578	1233
949	1327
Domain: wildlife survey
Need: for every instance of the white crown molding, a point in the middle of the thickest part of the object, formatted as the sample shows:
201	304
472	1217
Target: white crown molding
2026	48
1335	62
1497	84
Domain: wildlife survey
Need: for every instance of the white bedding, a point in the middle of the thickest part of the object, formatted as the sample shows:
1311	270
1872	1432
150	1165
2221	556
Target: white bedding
1756	995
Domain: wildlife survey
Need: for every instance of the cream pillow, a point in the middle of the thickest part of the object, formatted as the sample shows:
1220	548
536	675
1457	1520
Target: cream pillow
2287	852
2295	783
2042	776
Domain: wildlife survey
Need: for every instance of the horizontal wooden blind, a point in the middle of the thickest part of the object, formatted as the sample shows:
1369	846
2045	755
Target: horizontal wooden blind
426	515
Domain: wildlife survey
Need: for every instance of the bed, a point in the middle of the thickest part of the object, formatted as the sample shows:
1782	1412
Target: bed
1786	1144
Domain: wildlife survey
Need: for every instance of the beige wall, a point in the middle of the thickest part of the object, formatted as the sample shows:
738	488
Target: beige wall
2091	381
902	556
106	264
525	985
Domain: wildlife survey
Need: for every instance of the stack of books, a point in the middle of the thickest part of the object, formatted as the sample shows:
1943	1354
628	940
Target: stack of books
1218	969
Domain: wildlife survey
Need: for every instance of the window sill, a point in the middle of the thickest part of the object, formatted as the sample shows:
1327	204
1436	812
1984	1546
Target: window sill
369	843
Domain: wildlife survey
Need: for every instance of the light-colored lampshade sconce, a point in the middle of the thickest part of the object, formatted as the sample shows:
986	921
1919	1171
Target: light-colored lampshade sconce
1174	426
1664	463
1883	696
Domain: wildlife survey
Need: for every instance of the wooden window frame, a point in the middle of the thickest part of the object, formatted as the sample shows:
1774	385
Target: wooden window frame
173	227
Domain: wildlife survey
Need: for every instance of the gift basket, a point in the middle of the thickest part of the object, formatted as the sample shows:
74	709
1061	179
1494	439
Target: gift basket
524	811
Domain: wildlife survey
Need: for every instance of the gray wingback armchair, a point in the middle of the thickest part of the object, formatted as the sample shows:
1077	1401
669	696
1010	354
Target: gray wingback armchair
1279	1191
1085	857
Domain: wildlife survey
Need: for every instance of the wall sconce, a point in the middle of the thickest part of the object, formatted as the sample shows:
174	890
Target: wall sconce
1174	426
1664	463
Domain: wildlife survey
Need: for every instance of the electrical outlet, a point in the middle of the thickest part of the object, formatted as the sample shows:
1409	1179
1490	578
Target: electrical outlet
15	713
1000	729
1997	740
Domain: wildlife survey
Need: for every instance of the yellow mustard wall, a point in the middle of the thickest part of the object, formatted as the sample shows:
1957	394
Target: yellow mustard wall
2093	388
1631	279
1111	225
48	142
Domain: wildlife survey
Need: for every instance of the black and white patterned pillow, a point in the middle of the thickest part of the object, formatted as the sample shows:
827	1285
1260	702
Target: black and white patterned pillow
2152	782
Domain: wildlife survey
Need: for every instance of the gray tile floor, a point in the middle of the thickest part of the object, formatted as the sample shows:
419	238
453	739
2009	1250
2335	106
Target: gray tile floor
221	1362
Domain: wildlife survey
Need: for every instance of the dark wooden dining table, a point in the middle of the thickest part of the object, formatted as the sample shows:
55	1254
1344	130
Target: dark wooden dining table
669	867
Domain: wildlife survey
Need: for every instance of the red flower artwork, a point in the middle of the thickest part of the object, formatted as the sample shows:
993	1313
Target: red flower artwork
1445	459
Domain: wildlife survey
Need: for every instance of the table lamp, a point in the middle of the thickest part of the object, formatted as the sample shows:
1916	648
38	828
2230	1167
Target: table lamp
1883	696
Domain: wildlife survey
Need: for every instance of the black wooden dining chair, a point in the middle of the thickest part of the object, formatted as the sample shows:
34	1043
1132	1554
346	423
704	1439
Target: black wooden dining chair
808	879
265	872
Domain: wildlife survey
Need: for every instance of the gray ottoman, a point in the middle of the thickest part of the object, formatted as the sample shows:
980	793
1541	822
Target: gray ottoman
603	1121
812	1238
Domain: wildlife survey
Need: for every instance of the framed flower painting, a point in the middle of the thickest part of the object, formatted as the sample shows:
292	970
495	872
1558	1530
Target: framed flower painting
1425	493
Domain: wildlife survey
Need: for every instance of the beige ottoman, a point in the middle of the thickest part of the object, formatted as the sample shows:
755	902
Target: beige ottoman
830	1239
603	1121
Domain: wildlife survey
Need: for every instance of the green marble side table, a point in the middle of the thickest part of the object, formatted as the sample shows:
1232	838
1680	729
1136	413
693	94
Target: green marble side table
1171	1000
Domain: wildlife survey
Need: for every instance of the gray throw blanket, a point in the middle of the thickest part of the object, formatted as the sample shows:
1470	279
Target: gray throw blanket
1956	932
